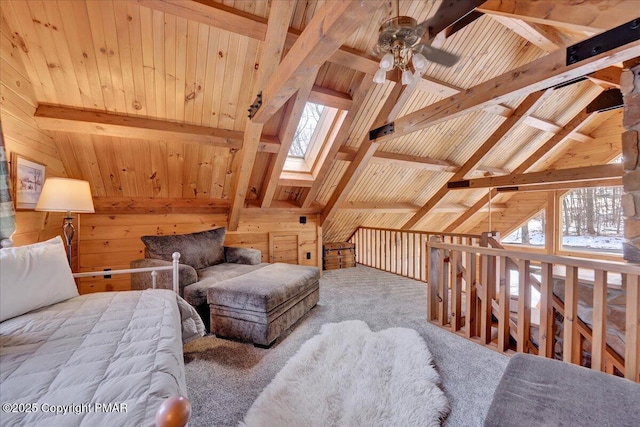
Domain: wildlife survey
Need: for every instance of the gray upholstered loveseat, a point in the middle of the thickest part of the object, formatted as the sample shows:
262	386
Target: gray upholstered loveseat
236	294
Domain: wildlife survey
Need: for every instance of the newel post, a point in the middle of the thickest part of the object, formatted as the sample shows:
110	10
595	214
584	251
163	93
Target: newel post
630	87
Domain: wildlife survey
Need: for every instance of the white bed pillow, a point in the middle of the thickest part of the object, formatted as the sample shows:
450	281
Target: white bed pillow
34	276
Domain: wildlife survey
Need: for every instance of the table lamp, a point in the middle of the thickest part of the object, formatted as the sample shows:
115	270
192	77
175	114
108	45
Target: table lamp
66	195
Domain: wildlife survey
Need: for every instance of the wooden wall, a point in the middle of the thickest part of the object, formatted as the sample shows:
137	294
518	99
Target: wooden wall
112	241
22	135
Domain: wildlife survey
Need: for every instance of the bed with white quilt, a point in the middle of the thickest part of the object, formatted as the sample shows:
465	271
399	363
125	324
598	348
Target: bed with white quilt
108	358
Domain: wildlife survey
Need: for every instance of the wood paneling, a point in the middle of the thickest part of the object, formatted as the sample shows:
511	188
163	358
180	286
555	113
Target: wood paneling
113	241
17	105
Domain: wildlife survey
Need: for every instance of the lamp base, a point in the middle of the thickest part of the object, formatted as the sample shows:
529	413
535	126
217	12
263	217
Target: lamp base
68	231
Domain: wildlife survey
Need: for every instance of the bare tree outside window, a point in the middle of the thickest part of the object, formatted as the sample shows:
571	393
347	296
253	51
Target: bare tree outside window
305	130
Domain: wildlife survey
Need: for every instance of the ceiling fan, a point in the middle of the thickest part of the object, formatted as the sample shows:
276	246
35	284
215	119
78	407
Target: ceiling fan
402	41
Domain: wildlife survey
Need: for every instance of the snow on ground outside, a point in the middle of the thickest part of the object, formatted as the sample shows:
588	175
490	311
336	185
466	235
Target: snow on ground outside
536	238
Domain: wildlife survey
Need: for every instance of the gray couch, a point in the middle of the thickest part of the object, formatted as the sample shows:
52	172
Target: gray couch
236	295
204	261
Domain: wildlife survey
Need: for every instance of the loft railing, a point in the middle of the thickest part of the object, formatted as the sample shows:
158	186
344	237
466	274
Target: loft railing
473	287
480	290
402	252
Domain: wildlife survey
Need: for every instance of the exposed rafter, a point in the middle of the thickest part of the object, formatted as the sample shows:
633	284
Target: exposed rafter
570	129
415	162
229	19
586	173
546	38
403	208
542	73
577	16
279	19
526	108
148	205
90	122
331	23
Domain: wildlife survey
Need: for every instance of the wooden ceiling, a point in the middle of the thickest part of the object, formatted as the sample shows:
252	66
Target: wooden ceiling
148	99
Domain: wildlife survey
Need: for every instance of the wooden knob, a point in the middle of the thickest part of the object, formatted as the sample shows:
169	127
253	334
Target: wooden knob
173	412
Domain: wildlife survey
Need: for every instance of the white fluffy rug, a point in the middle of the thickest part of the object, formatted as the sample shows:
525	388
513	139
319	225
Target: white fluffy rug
350	376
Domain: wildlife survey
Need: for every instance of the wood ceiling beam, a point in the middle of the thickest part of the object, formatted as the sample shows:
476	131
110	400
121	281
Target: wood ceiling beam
361	90
526	108
74	120
214	14
546	38
330	98
567	131
229	19
281	206
608	77
276	33
291	117
608	182
545	72
331	23
404	208
414	162
591	16
587	173
148	205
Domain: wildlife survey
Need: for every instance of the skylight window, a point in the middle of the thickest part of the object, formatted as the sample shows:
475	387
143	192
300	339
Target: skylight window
306	130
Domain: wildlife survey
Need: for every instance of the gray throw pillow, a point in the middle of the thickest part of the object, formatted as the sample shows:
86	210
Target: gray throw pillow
199	250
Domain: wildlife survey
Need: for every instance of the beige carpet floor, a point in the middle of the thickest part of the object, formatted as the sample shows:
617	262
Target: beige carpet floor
225	377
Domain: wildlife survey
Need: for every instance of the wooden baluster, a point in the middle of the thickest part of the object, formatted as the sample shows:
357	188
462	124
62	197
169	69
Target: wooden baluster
599	328
369	247
456	291
524	305
398	253
418	256
504	301
545	331
632	341
423	258
443	288
434	274
404	254
570	317
485	299
410	255
471	327
378	249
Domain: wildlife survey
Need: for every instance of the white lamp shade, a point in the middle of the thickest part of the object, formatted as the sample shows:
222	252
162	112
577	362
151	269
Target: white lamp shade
407	77
419	61
380	76
65	195
386	63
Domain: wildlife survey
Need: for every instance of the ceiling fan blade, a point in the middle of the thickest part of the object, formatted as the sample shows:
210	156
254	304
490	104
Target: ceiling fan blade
448	13
437	55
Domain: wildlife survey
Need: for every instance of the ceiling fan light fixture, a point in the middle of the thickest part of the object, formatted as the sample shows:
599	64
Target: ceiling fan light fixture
419	61
380	76
407	77
387	62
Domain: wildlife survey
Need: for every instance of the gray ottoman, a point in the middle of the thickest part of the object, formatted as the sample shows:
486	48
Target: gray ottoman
257	307
539	392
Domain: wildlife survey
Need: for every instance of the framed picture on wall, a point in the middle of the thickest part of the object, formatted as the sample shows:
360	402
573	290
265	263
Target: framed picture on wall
28	179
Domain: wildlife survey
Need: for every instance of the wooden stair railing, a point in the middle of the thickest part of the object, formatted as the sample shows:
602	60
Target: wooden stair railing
487	290
571	349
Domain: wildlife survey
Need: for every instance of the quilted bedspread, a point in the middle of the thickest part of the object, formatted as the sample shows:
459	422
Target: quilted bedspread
104	359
